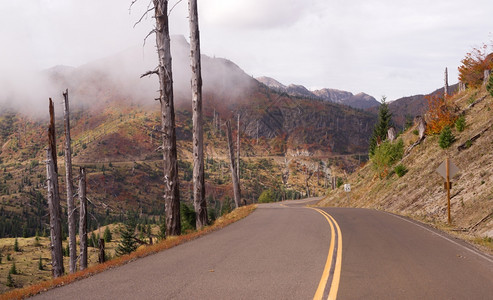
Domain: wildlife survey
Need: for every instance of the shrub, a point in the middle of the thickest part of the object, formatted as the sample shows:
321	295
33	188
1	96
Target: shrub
267	196
340	182
440	114
446	138
107	235
387	154
460	124
400	170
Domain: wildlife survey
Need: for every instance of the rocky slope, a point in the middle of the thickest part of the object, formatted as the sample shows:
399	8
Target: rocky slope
360	101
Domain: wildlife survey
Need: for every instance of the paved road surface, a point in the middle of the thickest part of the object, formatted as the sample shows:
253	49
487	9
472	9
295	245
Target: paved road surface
287	251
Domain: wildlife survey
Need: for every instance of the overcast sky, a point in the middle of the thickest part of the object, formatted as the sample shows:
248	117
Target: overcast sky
381	47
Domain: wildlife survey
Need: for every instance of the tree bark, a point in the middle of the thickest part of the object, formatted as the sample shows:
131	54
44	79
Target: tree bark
54	199
236	184
170	166
200	203
83	219
69	188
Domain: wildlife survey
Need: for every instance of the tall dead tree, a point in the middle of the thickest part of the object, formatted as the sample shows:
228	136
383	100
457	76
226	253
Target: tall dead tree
69	188
82	219
54	199
238	150
199	201
170	164
234	174
445	86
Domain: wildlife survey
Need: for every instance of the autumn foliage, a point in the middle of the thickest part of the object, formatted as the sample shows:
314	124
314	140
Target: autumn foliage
471	72
440	113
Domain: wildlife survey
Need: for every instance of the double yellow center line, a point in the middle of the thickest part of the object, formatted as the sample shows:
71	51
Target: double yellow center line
329	283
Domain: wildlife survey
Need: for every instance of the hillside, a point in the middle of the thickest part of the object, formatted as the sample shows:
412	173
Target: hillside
420	192
288	144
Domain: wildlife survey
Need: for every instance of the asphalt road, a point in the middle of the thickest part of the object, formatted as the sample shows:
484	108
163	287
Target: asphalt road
287	251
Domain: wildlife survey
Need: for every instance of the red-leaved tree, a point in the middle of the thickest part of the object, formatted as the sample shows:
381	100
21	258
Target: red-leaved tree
471	72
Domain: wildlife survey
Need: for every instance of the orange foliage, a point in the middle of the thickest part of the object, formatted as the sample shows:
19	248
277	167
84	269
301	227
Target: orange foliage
471	72
222	222
440	114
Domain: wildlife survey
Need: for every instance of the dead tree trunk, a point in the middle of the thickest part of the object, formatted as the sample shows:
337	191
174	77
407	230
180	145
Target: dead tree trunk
54	199
170	165
69	188
82	219
445	86
234	174
101	254
238	151
200	203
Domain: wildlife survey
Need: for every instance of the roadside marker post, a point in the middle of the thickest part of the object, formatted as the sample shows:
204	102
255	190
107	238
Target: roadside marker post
448	170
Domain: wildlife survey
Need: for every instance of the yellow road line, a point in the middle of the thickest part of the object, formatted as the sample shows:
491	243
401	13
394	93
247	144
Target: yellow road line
337	272
337	268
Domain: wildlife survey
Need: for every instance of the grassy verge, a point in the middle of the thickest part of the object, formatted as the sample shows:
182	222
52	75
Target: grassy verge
222	222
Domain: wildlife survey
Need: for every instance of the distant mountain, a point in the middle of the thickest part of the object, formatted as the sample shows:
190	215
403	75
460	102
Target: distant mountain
360	101
406	108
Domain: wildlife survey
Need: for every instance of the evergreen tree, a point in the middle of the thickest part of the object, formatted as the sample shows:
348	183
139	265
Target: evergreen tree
13	269
107	235
382	126
40	264
127	243
10	281
16	246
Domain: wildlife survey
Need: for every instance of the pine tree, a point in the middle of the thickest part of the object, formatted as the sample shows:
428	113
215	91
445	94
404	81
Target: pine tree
382	126
107	235
13	269
40	264
10	281
16	246
127	243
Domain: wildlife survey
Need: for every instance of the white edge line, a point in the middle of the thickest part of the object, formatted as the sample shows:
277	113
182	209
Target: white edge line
444	237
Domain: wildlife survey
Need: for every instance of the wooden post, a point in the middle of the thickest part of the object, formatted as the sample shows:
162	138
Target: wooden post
69	188
170	163
236	185
101	257
447	172
54	199
82	219
200	203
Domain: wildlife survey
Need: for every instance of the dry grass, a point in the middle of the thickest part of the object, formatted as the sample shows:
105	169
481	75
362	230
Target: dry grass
222	222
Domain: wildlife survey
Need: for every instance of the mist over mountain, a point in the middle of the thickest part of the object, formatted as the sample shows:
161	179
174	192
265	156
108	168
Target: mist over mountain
360	101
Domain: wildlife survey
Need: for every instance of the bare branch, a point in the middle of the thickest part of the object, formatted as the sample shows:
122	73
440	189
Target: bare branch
143	16
174	7
149	73
149	34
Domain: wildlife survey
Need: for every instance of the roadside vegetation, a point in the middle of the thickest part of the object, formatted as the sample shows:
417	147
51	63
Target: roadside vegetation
401	178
